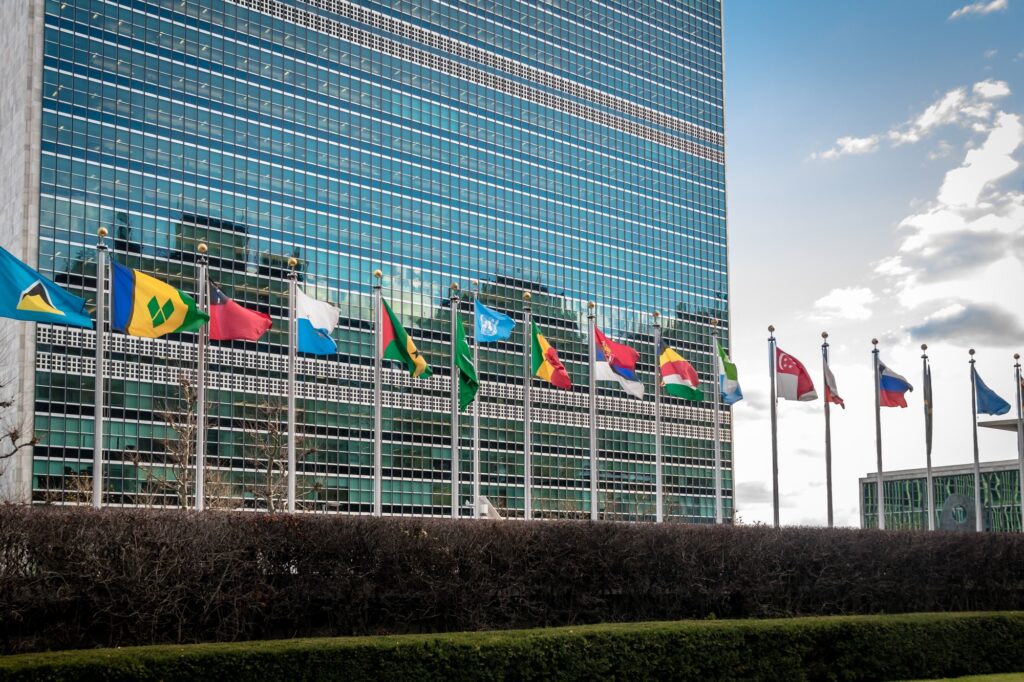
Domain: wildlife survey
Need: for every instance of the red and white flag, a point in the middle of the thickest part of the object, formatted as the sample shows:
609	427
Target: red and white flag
792	379
831	392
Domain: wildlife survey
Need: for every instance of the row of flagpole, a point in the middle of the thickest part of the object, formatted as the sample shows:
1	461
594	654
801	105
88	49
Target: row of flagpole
796	385
203	286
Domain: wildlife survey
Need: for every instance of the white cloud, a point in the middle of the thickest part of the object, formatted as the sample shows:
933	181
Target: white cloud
989	54
980	8
993	160
971	108
848	303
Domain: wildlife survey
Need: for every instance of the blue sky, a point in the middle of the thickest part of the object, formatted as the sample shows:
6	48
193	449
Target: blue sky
874	189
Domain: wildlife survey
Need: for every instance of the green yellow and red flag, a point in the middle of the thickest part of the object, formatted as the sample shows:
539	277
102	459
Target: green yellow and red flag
546	364
396	344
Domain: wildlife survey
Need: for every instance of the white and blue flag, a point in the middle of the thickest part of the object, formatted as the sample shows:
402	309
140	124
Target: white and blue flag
491	325
315	320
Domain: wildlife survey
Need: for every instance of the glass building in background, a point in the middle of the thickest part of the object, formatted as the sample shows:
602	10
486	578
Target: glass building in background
572	149
906	498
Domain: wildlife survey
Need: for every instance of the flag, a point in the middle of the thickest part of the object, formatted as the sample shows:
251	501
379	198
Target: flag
891	387
231	322
145	306
469	383
928	407
616	362
490	325
27	295
314	322
728	378
831	392
792	379
396	344
988	401
546	364
678	376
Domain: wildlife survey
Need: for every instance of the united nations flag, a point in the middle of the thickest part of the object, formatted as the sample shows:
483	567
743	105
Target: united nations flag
145	306
491	325
27	295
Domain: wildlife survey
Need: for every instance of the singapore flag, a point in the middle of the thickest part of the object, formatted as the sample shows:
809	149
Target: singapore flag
794	383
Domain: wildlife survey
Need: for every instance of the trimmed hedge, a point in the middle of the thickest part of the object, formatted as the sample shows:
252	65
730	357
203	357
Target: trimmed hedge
78	578
840	648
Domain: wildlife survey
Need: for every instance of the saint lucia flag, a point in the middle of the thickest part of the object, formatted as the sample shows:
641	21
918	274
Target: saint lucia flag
315	320
27	295
145	306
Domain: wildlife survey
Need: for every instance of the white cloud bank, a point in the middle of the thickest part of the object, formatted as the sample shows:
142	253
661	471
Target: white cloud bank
848	303
971	107
980	8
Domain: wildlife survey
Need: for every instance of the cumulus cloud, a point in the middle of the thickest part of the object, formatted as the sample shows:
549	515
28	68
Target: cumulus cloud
980	8
990	162
970	323
846	303
971	108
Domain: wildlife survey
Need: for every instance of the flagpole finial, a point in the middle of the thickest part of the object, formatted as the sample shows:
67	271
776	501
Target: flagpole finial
292	262
713	322
202	248
591	305
771	329
1016	356
824	335
475	282
971	352
527	296
874	342
101	233
454	287
656	315
924	346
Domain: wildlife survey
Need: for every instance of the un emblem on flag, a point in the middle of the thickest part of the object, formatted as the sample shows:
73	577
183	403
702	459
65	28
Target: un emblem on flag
489	326
159	314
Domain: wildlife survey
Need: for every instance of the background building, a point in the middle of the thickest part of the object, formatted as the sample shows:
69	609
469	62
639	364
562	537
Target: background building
906	498
573	149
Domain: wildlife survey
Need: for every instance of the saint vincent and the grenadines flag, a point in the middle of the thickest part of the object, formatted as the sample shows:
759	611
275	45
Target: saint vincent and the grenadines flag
27	295
145	306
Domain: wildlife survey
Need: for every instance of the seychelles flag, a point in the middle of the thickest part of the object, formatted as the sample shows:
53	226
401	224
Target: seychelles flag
617	362
891	387
145	306
678	376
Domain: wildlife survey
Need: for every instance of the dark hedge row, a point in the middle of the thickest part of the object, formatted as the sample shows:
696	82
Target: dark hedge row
73	578
840	648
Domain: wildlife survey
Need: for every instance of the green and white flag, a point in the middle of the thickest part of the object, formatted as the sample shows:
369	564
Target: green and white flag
469	383
728	378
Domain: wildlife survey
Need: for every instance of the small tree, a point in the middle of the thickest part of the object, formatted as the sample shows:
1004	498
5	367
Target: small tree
265	447
14	437
181	450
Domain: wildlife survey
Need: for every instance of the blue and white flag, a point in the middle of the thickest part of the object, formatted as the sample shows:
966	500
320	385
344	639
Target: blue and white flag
491	325
315	320
988	401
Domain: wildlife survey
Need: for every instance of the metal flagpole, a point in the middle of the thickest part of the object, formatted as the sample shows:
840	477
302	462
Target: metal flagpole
828	428
476	408
591	323
378	459
775	425
527	379
453	300
201	381
979	521
878	435
926	366
292	341
717	434
659	500
1020	434
101	318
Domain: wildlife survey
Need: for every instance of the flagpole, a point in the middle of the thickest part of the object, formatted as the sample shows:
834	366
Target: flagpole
591	324
292	333
476	408
453	300
828	428
775	424
527	378
878	435
979	522
101	319
1020	434
201	382
718	443
378	467
928	437
659	500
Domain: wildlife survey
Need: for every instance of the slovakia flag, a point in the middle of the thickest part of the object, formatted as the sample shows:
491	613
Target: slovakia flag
794	383
891	387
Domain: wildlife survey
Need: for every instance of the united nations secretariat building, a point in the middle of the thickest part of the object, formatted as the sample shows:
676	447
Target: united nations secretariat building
570	149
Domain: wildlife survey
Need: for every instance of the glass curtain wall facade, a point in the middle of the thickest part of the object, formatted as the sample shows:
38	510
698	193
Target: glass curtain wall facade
571	149
906	499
